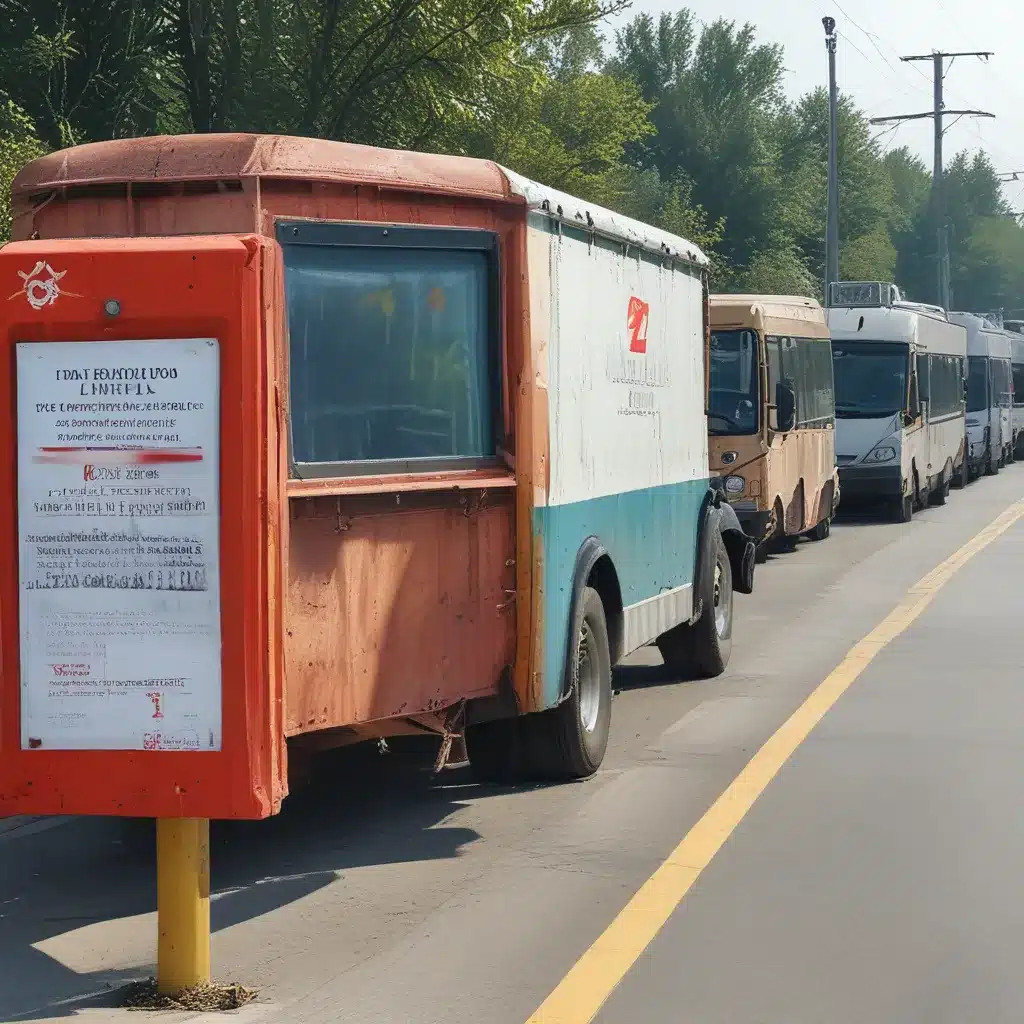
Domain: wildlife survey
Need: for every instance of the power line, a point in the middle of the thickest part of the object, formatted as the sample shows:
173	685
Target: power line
938	113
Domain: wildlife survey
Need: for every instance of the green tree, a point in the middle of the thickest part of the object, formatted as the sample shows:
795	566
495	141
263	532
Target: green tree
988	273
18	145
560	121
83	69
865	189
716	99
779	269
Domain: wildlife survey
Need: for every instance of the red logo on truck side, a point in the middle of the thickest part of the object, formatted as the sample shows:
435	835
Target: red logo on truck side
636	323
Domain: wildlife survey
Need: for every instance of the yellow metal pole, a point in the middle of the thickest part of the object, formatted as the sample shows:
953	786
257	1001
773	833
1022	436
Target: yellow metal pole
183	903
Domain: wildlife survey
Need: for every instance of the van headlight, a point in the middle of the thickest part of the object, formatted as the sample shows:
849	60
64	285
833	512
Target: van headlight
884	453
735	484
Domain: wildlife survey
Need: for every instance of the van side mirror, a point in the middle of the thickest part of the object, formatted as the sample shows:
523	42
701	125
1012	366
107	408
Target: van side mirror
785	406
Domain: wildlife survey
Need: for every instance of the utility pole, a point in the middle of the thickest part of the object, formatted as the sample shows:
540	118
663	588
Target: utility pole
938	113
832	219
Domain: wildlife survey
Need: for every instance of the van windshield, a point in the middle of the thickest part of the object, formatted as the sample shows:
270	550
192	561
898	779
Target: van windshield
870	378
733	398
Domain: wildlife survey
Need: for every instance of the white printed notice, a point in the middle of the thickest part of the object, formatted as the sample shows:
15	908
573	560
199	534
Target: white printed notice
118	488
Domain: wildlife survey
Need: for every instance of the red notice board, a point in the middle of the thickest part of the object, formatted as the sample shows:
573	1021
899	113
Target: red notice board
142	474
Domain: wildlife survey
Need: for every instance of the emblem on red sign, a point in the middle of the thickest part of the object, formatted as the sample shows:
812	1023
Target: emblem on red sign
41	285
636	324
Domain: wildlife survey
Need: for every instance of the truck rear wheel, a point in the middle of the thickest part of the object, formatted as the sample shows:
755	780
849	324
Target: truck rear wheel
941	493
569	741
703	648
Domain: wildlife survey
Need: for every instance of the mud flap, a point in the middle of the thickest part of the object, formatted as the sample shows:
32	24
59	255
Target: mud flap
741	547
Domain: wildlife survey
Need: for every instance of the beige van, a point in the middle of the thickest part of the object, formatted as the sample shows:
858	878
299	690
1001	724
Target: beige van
771	415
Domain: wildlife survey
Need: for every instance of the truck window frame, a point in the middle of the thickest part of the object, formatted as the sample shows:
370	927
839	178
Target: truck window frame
295	232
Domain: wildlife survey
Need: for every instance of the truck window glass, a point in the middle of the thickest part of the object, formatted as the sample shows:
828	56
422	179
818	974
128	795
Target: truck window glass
977	383
733	398
391	354
1018	384
807	362
946	389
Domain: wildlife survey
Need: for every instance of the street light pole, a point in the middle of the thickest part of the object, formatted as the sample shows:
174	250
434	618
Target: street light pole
832	219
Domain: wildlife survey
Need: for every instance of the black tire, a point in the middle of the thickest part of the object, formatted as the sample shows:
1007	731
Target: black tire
821	531
941	493
903	509
491	748
703	648
569	741
761	553
961	476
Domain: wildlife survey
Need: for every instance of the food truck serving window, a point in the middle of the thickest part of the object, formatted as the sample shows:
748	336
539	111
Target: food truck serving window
393	345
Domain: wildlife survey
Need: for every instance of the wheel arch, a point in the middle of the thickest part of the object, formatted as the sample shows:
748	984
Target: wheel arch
740	547
595	568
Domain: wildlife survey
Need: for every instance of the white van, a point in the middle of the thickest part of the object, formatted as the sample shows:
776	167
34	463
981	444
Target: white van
1016	332
899	384
989	394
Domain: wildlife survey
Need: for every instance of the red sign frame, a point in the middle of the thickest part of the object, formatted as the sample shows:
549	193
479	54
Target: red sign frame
221	286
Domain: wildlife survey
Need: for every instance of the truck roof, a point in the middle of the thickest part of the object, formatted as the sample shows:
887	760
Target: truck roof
773	314
983	337
919	326
229	159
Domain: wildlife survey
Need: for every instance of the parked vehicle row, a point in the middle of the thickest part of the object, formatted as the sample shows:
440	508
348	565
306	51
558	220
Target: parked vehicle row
492	398
520	438
873	400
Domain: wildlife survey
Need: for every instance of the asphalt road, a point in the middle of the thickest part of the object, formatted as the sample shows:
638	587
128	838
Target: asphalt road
872	881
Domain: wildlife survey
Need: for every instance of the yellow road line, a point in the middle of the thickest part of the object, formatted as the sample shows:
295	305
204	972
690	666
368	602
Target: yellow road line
583	991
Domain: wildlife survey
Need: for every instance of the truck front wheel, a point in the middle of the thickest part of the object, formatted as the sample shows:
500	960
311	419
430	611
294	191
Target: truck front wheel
702	648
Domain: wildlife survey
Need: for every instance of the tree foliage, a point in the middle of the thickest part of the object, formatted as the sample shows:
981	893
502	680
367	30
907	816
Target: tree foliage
679	123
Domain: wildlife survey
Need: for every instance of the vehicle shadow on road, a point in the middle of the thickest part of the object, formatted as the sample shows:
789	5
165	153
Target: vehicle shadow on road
362	809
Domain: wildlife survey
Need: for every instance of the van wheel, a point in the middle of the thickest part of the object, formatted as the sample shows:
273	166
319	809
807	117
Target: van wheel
941	493
702	649
569	741
961	476
821	531
904	509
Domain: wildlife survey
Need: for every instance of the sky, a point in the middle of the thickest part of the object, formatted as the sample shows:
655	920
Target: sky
873	35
